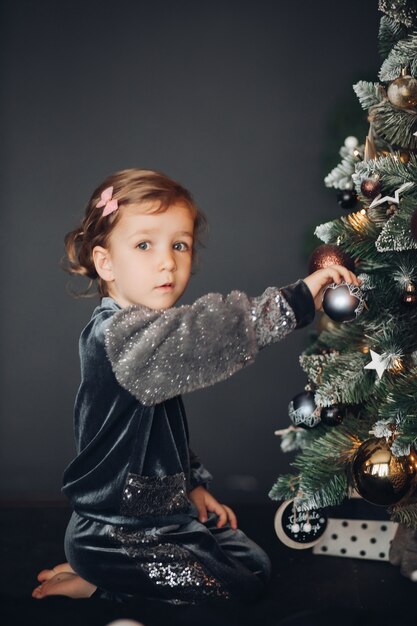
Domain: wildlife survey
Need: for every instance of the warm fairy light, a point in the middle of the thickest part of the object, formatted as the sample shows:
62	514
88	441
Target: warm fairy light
397	366
364	349
357	154
358	220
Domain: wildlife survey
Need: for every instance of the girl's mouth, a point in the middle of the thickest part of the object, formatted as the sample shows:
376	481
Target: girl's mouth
166	286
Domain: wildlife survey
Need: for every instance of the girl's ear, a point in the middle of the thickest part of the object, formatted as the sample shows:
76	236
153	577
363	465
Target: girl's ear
102	262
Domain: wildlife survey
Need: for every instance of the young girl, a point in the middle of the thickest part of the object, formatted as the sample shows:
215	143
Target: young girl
144	523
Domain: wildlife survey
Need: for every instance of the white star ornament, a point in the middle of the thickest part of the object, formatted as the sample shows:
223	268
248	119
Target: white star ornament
395	199
378	363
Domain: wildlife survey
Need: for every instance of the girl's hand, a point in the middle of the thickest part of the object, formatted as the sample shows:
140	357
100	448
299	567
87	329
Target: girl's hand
205	502
318	281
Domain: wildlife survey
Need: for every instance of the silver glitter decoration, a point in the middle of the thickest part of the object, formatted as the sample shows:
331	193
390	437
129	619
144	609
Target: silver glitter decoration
154	495
172	568
272	317
158	354
298	417
395	236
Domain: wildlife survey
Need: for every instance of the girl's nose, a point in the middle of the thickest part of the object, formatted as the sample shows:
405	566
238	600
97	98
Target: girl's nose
168	262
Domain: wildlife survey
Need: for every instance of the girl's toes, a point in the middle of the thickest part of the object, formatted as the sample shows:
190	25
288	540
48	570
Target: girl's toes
37	592
47	574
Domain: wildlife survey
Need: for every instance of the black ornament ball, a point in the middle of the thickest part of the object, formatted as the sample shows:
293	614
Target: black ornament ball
371	187
347	198
302	410
413	224
329	254
343	302
332	415
379	476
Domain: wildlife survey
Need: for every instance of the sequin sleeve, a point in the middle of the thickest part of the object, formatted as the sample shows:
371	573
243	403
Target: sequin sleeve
158	354
279	311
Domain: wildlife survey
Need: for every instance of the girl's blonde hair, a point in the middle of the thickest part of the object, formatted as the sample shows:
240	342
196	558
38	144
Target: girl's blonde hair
130	187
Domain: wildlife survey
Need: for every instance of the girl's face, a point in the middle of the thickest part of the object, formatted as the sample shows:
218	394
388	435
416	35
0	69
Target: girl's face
148	258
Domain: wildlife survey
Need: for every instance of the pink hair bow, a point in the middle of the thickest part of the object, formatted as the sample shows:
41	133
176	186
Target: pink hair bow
110	204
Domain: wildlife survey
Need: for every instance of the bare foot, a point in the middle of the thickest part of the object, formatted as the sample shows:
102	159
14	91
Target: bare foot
46	574
63	583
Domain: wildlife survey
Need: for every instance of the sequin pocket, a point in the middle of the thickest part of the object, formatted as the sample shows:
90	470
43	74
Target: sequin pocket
154	495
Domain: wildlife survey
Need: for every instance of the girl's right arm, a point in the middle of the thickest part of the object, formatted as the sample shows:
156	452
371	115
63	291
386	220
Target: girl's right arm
158	354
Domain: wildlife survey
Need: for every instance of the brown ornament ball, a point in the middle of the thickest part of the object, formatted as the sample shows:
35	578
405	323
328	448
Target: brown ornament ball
402	92
413	224
329	254
370	187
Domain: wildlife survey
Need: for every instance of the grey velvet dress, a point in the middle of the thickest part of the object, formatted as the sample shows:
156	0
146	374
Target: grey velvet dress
133	531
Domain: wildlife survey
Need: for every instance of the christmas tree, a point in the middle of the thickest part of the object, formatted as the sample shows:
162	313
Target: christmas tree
355	425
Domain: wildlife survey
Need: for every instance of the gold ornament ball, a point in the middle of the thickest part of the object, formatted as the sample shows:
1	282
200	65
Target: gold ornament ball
402	92
379	476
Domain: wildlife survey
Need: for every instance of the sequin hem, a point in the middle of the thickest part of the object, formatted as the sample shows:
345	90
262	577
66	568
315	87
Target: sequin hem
169	566
154	495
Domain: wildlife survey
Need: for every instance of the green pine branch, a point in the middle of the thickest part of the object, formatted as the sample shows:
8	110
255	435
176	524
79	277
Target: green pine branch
406	515
391	171
369	94
403	55
395	126
390	33
285	488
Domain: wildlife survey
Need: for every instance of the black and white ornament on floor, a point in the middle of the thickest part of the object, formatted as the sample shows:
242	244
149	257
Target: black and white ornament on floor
298	528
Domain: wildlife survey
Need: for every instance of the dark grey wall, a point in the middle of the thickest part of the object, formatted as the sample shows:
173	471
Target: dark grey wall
231	97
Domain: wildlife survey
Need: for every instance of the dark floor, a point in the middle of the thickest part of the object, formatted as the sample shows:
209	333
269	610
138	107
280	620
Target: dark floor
305	590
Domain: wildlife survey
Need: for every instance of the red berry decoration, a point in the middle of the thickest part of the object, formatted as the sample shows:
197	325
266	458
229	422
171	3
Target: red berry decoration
370	187
329	254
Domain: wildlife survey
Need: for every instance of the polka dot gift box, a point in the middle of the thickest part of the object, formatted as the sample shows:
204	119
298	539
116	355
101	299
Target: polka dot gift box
364	532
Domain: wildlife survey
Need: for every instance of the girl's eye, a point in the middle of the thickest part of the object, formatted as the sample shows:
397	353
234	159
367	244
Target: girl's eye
143	245
181	246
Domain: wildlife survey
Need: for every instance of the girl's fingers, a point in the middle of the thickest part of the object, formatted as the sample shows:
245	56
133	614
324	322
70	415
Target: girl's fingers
202	512
339	273
232	517
222	517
